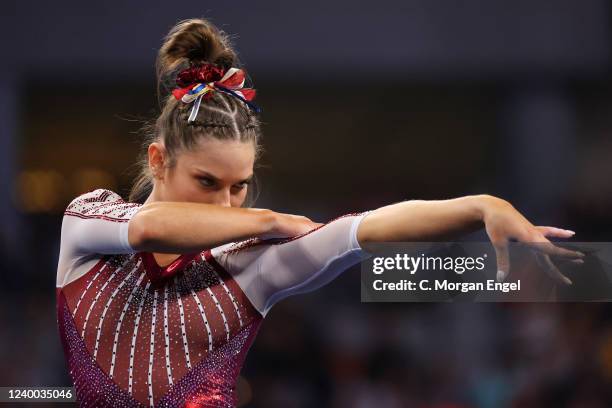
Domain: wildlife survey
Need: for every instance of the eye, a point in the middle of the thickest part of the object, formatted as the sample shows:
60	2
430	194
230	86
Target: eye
243	184
206	181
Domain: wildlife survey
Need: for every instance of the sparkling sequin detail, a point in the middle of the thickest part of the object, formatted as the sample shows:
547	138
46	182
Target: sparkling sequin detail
179	343
104	206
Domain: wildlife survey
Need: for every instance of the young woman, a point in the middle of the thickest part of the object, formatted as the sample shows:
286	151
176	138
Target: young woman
160	297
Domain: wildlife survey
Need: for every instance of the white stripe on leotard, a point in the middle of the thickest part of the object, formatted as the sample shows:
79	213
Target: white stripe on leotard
228	294
183	332
197	299
214	298
166	336
118	329
87	288
131	369
98	296
107	305
150	376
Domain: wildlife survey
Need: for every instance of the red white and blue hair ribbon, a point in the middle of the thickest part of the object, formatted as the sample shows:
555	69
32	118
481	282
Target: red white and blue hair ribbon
197	83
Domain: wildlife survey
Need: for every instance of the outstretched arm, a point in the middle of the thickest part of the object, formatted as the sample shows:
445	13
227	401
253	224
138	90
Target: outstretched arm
270	272
421	220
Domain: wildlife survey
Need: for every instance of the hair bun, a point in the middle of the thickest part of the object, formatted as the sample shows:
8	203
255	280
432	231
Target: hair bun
192	42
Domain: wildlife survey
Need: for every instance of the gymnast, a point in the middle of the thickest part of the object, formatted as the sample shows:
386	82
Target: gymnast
160	297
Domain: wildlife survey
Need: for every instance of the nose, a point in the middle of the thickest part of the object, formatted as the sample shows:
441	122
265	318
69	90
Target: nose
222	198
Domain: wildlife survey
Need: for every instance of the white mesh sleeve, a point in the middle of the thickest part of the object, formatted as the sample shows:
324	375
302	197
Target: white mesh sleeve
268	273
94	223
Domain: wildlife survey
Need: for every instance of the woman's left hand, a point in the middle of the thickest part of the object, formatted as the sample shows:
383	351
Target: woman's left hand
504	223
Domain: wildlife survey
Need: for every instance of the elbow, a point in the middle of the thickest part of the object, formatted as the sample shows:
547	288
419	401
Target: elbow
141	234
363	233
370	232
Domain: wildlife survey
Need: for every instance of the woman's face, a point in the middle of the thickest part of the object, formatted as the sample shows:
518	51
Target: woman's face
215	172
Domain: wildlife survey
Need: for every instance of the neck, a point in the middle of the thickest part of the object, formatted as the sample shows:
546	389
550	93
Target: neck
152	197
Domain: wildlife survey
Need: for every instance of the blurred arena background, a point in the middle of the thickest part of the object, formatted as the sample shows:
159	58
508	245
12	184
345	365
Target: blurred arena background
365	104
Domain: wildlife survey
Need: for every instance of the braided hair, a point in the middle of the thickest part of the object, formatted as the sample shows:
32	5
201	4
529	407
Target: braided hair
189	43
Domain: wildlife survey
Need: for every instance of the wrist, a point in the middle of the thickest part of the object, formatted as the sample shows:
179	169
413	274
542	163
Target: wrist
485	203
267	220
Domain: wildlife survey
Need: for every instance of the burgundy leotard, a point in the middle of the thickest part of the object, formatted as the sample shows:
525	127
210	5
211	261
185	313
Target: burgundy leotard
137	334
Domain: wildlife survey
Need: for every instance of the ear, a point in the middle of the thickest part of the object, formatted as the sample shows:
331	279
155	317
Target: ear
156	153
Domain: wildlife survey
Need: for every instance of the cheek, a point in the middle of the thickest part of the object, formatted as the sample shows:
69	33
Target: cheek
186	188
239	198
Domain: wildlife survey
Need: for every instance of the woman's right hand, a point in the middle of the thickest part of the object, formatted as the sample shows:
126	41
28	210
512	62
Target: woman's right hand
289	225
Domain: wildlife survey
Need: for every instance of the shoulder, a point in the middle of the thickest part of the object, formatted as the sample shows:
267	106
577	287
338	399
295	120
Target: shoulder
101	203
97	195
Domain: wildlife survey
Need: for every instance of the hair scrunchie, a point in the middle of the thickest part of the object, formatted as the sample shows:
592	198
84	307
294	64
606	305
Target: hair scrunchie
198	82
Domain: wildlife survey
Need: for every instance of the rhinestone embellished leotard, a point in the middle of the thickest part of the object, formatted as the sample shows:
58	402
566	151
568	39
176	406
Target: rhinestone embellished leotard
137	334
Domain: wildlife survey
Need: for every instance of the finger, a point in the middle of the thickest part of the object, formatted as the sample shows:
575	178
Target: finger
555	232
503	260
552	270
549	248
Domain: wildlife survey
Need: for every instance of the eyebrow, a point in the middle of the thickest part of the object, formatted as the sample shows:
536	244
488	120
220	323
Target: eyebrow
212	176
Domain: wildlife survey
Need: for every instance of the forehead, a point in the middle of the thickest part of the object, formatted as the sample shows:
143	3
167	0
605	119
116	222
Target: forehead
222	158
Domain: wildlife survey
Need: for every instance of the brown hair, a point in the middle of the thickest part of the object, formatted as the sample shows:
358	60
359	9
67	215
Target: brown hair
191	42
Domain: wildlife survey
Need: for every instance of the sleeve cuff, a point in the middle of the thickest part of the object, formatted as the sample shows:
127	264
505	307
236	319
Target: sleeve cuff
123	237
354	242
